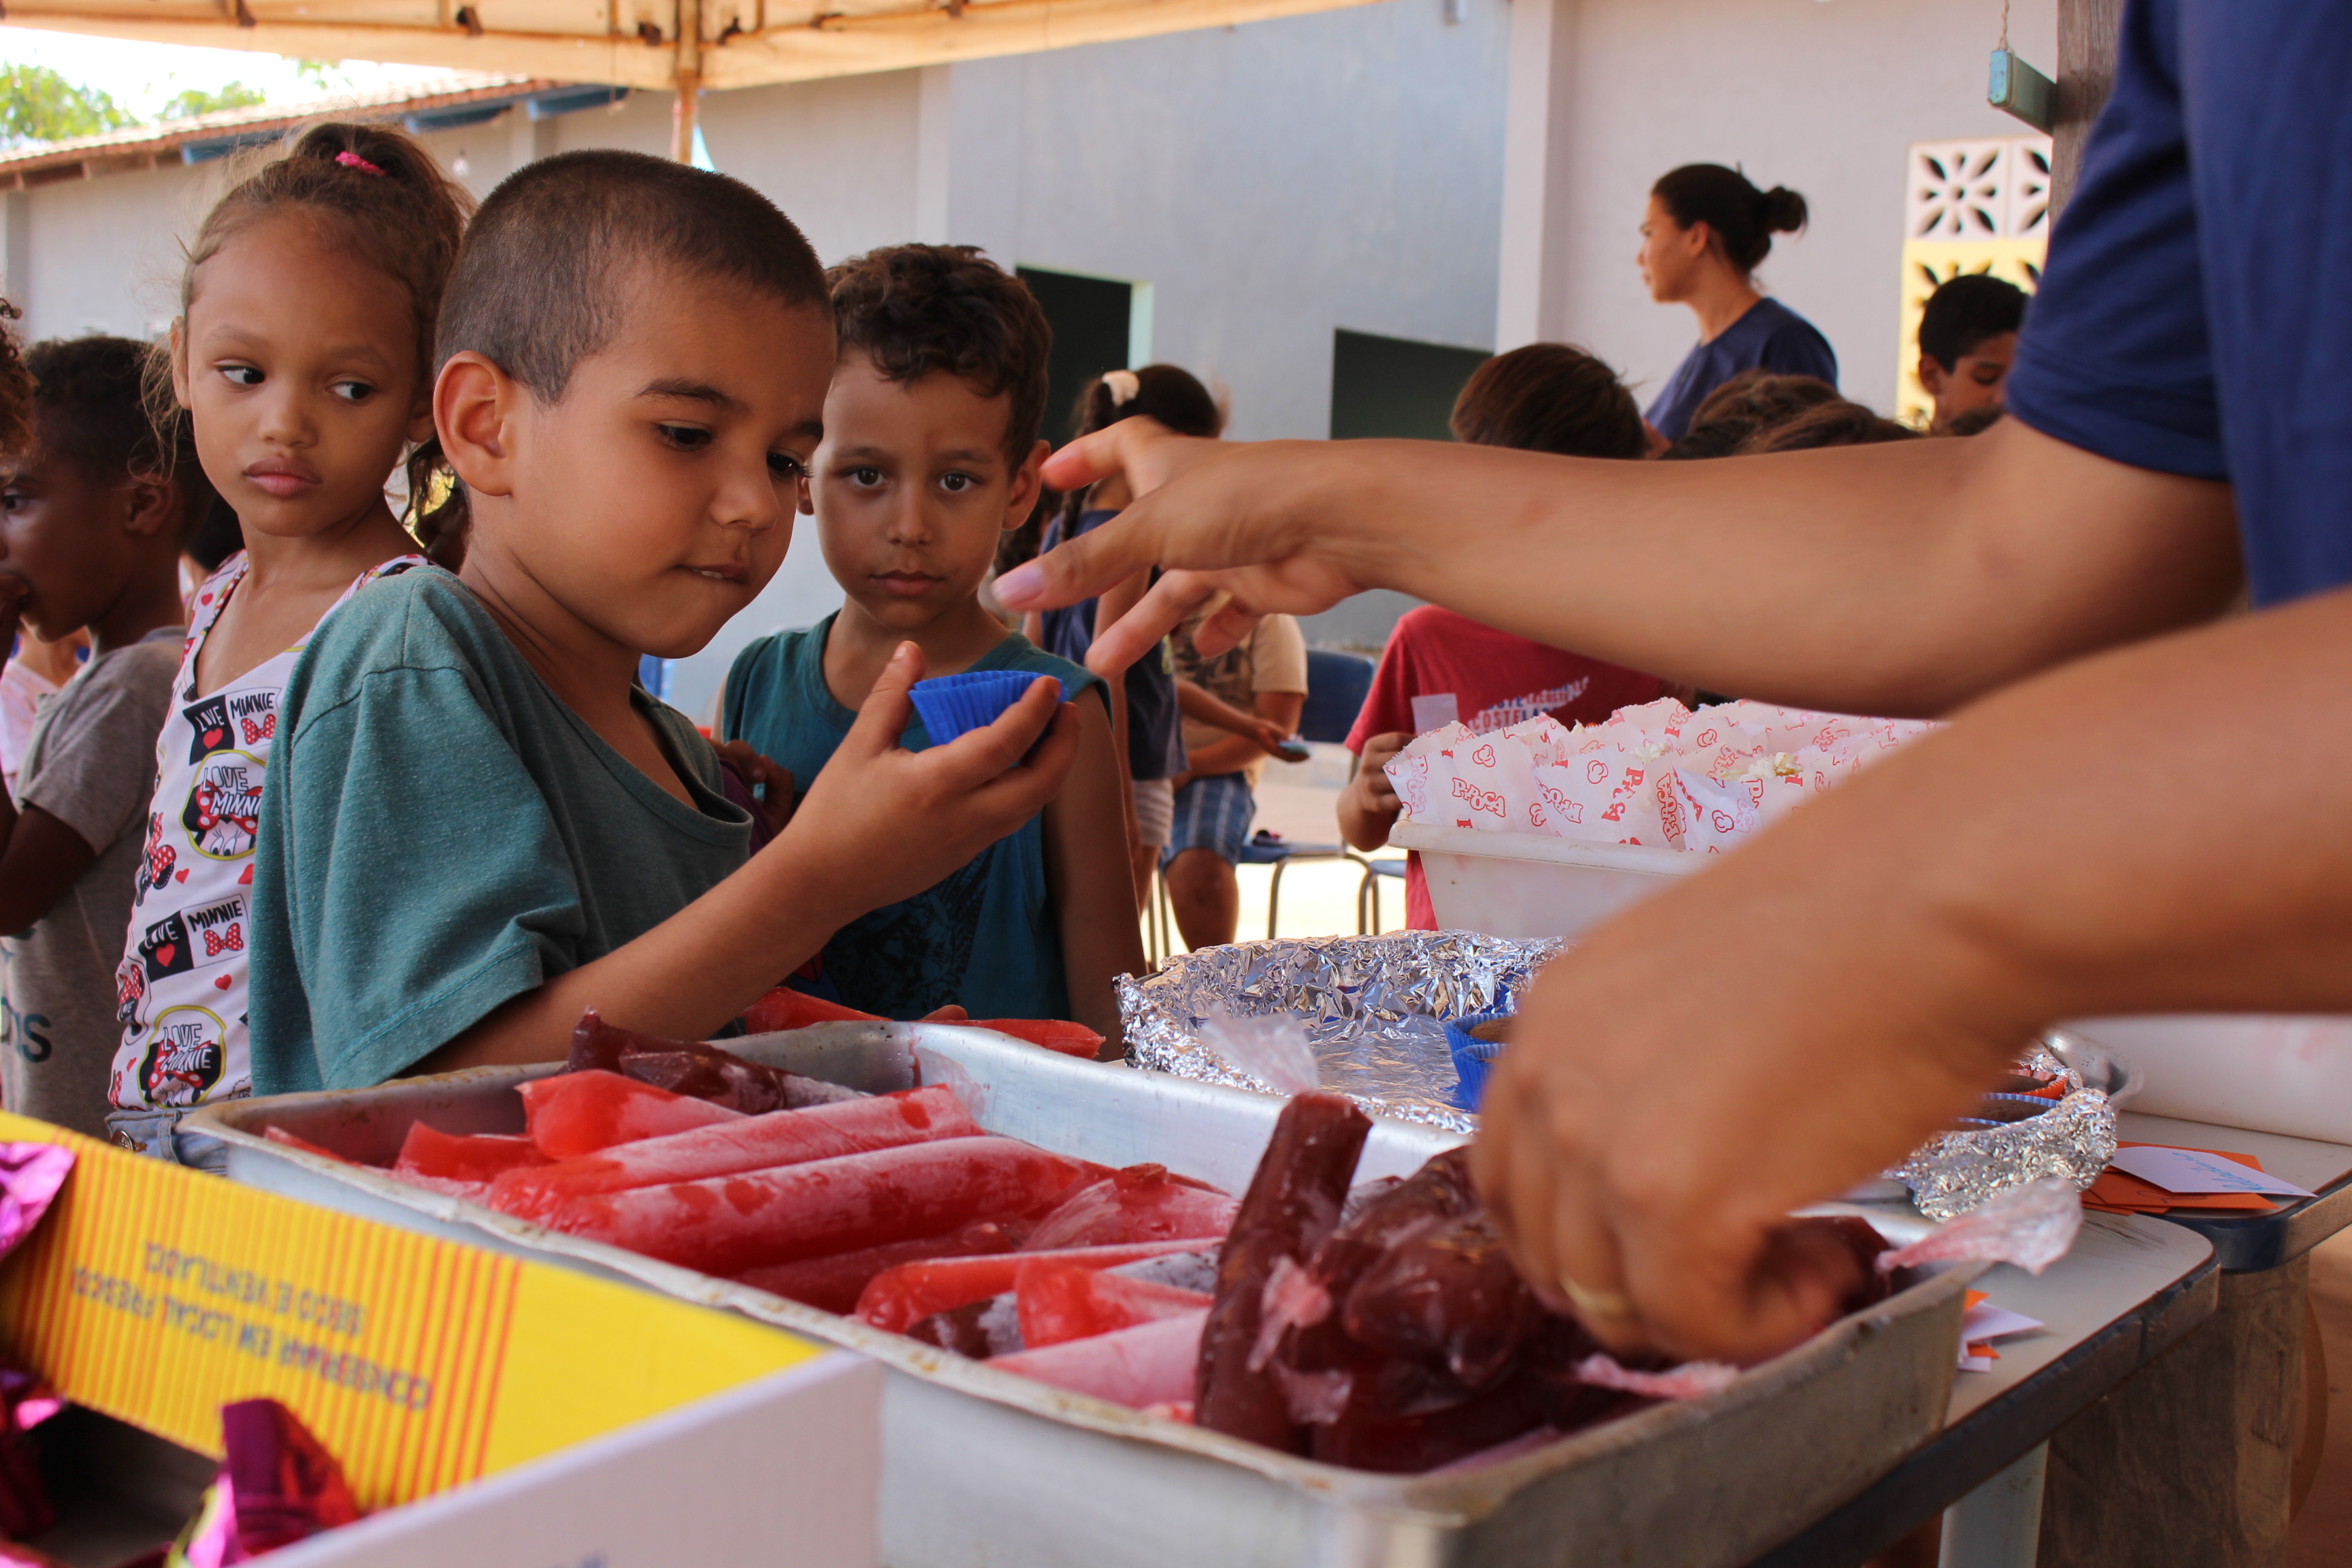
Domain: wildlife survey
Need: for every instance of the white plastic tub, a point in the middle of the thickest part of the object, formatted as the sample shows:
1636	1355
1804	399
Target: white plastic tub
2263	1072
1526	885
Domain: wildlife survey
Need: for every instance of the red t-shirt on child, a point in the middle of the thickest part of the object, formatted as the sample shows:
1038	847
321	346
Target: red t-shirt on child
1496	679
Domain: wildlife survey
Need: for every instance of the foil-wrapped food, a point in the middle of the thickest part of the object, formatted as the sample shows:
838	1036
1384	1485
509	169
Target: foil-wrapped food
2047	1122
1372	1011
1372	1008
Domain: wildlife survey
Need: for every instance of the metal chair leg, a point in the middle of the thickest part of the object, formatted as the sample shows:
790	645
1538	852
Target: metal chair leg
1164	917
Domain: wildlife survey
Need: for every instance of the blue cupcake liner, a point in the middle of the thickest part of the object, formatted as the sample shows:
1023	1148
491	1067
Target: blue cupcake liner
952	704
1473	1057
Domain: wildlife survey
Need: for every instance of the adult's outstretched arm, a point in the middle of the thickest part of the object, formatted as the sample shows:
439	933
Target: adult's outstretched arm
2159	828
1898	579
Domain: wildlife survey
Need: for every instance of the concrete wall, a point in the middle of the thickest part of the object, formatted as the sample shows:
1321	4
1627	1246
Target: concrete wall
1271	181
1822	96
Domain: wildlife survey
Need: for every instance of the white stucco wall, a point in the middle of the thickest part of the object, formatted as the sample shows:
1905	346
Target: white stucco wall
1822	96
1271	181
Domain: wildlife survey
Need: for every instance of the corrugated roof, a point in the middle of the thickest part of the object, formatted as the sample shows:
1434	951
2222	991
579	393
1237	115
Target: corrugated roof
466	97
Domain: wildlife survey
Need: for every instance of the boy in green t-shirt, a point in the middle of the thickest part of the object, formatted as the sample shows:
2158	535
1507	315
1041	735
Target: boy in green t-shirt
476	826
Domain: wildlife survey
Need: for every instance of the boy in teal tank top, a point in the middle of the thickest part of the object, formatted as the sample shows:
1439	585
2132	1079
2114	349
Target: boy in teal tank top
931	451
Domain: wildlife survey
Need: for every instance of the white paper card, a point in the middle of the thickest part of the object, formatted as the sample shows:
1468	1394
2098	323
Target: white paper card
1434	710
1986	1321
2191	1171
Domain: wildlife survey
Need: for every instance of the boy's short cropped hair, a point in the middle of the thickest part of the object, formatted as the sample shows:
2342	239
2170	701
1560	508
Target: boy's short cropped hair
1548	398
535	283
916	310
89	407
1966	311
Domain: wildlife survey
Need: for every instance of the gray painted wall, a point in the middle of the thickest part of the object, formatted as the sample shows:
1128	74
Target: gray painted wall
1822	96
1271	181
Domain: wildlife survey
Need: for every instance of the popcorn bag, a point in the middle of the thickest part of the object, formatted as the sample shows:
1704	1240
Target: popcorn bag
1656	774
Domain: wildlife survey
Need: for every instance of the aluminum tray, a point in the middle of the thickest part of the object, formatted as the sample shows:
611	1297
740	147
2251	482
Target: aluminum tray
984	1468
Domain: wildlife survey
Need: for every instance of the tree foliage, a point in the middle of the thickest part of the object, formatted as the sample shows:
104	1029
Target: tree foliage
196	101
37	104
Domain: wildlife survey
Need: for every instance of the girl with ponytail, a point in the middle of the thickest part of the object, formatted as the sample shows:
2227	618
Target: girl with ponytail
1144	720
1706	231
302	364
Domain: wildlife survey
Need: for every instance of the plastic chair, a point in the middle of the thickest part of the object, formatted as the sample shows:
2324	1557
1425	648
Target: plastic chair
1367	894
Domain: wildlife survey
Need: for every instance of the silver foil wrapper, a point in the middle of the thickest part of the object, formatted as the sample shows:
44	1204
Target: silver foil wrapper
1369	1005
1954	1172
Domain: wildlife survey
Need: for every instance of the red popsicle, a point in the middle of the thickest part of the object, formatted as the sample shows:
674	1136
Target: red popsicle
832	1284
576	1113
1291	1209
915	1290
741	1144
1141	1203
786	1008
1151	1364
478	1157
726	1225
279	1135
1060	1301
1054	1033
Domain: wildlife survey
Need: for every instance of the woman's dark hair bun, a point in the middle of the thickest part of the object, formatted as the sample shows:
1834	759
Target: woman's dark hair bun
1784	210
1742	218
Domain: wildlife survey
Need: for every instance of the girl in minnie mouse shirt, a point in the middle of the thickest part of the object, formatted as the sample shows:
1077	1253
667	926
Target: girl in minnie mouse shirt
303	354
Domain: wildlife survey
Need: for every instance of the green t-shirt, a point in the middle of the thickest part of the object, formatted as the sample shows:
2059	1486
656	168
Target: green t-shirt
440	833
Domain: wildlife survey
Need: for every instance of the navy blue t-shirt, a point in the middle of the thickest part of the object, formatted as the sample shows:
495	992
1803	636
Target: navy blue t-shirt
2195	318
1770	335
1155	735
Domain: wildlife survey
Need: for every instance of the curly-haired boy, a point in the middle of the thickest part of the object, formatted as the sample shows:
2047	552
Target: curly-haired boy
930	452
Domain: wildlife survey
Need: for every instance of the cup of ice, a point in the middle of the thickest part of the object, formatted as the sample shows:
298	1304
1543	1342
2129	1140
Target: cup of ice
1475	1041
952	704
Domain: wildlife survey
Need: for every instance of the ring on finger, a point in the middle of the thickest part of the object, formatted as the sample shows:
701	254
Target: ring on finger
1591	1303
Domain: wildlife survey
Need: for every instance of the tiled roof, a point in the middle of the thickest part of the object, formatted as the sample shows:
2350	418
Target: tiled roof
466	98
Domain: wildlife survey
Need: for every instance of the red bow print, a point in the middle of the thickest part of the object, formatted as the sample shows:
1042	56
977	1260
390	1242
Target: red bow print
217	944
266	730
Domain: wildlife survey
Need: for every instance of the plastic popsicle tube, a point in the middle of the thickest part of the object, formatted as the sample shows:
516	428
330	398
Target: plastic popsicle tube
833	1283
726	1225
576	1113
915	1290
739	1144
1140	1202
452	1157
694	1068
1151	1364
1059	1301
1292	1207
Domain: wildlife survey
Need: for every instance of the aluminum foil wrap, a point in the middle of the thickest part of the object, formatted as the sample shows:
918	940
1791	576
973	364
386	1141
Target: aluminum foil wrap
1954	1172
1369	1005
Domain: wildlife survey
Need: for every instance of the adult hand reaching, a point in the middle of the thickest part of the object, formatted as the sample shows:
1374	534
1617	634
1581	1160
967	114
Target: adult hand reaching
1212	514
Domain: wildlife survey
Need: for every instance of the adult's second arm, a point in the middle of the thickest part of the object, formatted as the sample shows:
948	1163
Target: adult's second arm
1902	578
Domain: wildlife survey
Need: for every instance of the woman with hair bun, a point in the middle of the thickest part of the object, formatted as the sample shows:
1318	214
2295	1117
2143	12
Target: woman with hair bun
1707	230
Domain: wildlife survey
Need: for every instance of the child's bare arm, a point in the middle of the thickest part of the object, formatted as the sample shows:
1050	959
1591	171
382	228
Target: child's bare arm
878	825
1087	871
1203	706
1369	806
40	856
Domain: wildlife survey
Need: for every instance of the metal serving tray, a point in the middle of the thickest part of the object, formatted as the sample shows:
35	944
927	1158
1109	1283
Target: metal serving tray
984	1468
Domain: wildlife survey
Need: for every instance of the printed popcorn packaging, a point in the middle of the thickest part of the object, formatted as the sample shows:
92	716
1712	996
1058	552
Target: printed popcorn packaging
1657	774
